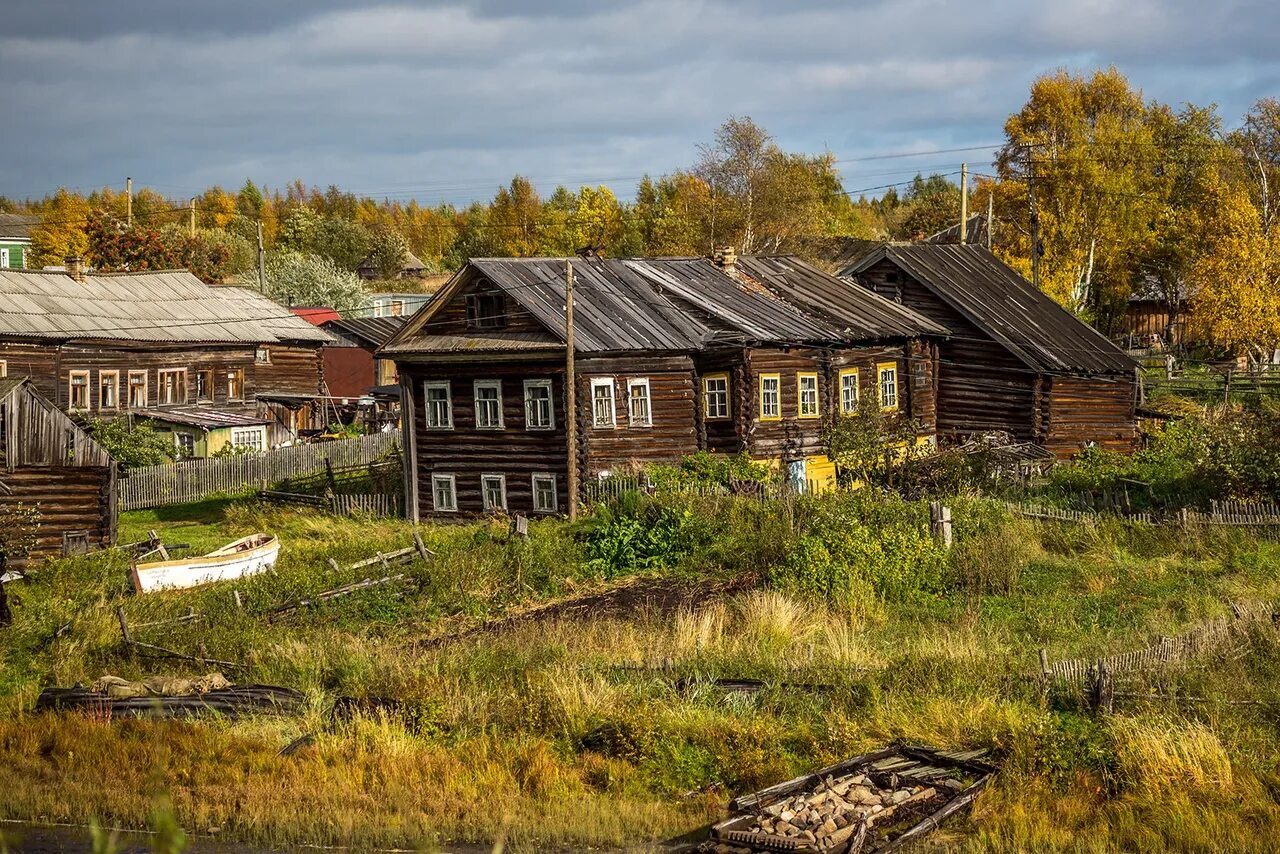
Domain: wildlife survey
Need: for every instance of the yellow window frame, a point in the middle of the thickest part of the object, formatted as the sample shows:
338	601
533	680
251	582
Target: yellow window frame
777	378
857	390
801	376
728	402
881	369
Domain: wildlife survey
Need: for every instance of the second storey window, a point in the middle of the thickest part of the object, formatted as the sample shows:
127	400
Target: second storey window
485	310
137	389
108	389
4	368
439	405
848	391
262	355
488	404
639	410
235	384
808	390
602	411
888	385
770	397
204	385
173	386
538	413
715	395
78	390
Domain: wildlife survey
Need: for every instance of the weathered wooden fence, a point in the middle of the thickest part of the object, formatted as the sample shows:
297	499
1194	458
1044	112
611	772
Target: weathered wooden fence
194	480
1220	513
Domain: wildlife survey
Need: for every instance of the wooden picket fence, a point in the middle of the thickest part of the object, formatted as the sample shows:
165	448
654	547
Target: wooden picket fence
1166	653
1262	516
375	504
195	480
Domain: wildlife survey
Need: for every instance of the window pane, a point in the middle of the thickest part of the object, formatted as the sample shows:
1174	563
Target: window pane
638	412
488	405
602	404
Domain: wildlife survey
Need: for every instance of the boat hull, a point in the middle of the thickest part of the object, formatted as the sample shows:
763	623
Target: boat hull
247	556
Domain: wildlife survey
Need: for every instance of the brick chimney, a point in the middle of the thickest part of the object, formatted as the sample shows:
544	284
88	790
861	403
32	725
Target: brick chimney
75	267
726	259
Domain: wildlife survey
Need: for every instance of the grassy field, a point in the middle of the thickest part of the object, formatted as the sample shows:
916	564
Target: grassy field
566	733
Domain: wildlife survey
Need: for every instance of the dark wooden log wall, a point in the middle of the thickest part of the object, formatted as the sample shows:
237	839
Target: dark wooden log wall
32	360
292	369
466	452
70	500
674	432
1081	410
451	319
724	435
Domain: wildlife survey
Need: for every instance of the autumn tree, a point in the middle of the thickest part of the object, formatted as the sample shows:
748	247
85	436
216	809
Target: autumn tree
1235	282
387	252
930	205
1258	141
294	278
61	231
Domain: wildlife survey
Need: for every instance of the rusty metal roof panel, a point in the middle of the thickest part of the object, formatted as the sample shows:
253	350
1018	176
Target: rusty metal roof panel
996	299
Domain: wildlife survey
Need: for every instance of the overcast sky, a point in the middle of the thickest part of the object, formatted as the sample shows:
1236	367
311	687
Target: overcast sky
445	101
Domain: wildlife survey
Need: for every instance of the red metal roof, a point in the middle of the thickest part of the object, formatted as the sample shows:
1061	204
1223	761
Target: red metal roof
316	315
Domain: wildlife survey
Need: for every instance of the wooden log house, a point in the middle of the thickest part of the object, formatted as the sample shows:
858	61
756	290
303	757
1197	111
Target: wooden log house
1015	361
672	356
49	463
142	343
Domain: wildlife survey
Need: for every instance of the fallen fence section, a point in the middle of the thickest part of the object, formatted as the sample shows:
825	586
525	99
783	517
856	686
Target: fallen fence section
1168	651
234	702
386	561
1221	513
194	480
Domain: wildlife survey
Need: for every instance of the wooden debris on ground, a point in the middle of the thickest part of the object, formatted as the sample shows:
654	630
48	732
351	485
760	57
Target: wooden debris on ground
877	802
233	702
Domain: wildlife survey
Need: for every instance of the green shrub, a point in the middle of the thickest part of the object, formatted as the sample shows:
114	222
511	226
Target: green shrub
705	467
636	533
132	446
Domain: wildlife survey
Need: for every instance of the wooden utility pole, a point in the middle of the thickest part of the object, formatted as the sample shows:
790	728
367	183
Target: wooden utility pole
964	203
570	392
193	216
128	202
1035	217
262	261
991	213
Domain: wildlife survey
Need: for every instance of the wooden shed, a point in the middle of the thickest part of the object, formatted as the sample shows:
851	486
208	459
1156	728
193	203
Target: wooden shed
49	462
1015	361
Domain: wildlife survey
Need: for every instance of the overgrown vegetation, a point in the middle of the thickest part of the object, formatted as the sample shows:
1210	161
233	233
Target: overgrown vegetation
132	444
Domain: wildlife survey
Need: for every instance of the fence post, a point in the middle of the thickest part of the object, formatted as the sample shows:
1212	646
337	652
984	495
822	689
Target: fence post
940	523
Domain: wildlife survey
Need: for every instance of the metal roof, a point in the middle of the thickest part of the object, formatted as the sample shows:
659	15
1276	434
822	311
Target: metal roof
1018	316
490	342
861	314
372	330
165	306
207	418
17	226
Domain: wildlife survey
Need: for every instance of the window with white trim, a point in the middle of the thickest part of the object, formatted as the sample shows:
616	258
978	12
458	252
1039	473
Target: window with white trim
235	384
4	257
639	407
848	391
137	389
539	414
108	389
888	385
262	355
379	308
545	499
78	390
602	411
808	395
488	397
254	438
770	397
715	396
397	308
493	491
172	386
438	402
444	493
185	444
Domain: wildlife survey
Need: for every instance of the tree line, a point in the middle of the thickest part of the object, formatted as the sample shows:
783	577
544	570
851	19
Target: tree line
1097	191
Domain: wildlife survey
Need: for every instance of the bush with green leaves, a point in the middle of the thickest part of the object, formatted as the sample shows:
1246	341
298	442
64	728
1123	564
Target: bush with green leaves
132	445
637	532
706	468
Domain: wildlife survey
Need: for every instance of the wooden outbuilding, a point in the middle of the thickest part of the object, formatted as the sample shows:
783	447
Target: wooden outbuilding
49	462
1015	361
672	356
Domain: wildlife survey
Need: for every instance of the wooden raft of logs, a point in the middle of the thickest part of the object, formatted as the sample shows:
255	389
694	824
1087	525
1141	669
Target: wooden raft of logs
878	802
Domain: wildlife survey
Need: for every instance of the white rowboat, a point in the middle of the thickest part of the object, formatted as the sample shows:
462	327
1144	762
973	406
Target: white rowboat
246	556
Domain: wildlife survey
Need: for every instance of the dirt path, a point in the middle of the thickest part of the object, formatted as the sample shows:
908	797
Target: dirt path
661	595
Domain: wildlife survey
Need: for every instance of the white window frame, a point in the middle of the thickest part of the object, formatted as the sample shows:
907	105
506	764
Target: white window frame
146	389
707	379
258	434
450	479
88	389
4	256
849	407
160	386
475	395
612	423
502	490
427	386
645	420
774	413
551	405
262	356
801	377
889	395
115	388
397	308
555	492
378	306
